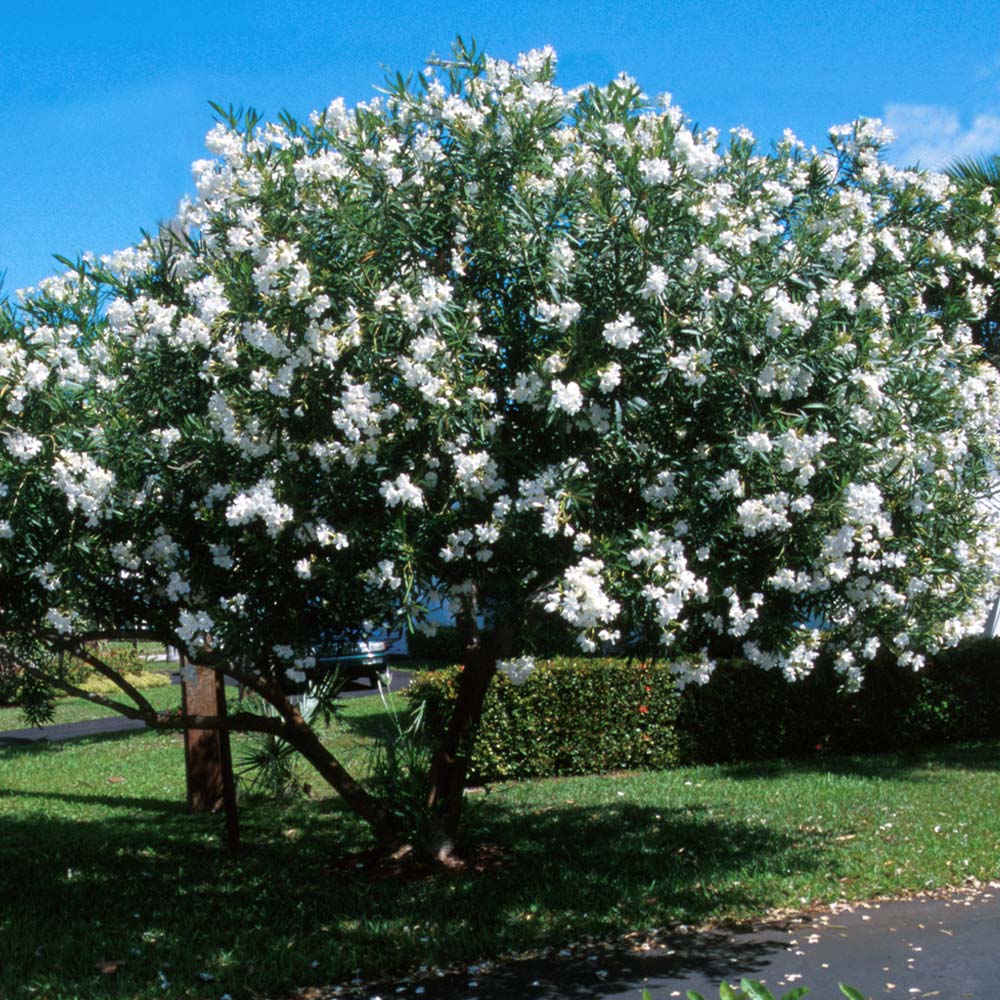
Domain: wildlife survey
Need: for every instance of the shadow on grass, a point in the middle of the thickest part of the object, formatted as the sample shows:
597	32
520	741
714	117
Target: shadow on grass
905	765
157	891
42	746
162	806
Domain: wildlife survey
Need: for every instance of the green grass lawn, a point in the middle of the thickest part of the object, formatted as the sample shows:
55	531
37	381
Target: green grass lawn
100	862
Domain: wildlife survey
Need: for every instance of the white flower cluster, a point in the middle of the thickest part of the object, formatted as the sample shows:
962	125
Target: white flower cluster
518	670
85	485
767	361
259	503
580	599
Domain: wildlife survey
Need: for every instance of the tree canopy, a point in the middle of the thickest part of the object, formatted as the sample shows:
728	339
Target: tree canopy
525	351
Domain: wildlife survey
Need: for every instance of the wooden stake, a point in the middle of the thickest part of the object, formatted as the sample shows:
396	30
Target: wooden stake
208	759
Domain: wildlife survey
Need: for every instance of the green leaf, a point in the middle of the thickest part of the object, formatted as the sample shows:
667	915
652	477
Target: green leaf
691	995
726	992
850	992
755	990
799	991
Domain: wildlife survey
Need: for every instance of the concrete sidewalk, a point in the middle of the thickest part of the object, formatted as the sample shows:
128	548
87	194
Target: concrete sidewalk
946	946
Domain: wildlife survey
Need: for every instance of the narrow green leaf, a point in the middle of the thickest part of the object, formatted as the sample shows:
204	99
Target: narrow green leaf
755	990
850	992
799	991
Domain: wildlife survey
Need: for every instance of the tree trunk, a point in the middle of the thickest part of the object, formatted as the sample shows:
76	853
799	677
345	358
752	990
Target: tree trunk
300	735
450	765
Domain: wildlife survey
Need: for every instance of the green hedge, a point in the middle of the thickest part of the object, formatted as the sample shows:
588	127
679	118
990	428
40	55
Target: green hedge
583	715
572	716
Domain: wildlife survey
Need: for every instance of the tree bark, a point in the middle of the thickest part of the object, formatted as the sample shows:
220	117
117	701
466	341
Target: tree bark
301	736
450	764
208	759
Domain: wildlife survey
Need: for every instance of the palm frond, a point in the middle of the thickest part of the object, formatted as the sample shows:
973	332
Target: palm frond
979	170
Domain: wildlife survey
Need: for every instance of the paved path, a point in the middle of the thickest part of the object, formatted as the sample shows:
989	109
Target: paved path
119	724
947	948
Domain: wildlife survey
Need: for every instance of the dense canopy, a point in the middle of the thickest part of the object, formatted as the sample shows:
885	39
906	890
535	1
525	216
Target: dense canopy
528	352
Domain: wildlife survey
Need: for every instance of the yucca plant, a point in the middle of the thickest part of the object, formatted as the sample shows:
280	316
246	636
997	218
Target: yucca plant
269	765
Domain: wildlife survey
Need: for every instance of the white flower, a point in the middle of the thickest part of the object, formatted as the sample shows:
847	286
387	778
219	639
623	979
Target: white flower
566	397
758	443
23	447
655	284
580	598
259	503
402	490
518	670
767	514
177	586
61	622
193	627
561	315
610	378
622	332
86	486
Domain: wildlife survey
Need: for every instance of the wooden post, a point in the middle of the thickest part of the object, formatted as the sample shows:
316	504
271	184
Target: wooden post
208	759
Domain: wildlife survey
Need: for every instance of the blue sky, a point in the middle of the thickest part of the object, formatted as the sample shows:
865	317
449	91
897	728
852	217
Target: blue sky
104	105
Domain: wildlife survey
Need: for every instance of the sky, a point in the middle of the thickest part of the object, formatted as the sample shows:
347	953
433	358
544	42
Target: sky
104	105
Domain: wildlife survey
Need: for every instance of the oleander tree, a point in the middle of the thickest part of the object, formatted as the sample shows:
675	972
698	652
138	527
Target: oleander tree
529	352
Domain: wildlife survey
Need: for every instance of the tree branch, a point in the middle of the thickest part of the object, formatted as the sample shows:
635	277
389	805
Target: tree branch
112	675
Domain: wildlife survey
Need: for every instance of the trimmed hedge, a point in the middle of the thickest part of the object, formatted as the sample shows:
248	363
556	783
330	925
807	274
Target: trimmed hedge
572	716
582	715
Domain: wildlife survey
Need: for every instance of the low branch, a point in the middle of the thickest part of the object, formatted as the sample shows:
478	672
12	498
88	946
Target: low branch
77	692
116	678
240	722
243	722
102	635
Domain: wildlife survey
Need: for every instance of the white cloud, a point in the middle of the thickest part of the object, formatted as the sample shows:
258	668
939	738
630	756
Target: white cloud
933	135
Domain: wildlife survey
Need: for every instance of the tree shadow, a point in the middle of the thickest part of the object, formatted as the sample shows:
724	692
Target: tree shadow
153	886
917	764
161	806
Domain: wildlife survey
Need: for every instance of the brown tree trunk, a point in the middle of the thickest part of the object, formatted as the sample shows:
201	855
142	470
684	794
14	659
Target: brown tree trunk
298	733
450	764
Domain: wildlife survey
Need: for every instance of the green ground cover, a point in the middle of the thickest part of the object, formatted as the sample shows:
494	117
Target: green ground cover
100	863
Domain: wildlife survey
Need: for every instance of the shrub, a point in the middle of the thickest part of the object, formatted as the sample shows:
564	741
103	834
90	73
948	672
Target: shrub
124	660
746	712
571	716
582	715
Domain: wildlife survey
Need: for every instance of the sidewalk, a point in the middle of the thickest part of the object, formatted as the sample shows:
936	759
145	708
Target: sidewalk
946	947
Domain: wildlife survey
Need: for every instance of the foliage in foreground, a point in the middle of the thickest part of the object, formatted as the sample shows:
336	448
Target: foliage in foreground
539	354
753	989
